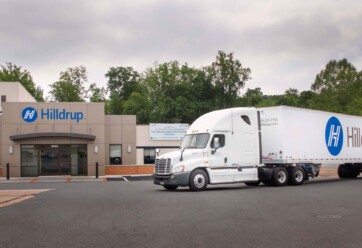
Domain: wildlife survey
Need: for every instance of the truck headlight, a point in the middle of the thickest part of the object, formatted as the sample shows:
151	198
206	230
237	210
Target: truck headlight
178	169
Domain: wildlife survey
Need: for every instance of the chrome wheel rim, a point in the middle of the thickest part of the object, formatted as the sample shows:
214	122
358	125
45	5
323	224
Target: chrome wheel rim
199	181
282	177
298	176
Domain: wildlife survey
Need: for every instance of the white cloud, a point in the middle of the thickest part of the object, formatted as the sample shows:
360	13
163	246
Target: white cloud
285	43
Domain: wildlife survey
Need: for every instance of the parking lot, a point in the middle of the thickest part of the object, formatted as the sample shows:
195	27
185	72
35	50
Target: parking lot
322	213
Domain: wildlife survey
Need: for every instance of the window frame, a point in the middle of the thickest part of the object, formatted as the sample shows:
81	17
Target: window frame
112	160
222	140
144	156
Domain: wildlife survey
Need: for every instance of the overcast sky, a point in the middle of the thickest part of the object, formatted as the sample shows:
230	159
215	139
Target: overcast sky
285	43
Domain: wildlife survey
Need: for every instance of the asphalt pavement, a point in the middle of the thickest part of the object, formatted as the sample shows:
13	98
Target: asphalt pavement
320	213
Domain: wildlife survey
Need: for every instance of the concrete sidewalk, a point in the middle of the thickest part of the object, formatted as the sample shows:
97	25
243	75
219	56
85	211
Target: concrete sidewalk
52	179
71	179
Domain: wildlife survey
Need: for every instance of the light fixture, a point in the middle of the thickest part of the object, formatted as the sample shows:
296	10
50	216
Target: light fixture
11	149
95	149
129	149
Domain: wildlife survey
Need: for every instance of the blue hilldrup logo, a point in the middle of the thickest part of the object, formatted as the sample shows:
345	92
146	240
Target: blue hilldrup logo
334	136
29	114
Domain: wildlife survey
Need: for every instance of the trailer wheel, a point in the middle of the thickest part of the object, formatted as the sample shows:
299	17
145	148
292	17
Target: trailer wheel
342	171
280	177
348	171
296	176
170	187
198	180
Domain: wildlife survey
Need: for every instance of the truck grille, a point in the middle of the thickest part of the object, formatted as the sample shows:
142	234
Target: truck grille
163	166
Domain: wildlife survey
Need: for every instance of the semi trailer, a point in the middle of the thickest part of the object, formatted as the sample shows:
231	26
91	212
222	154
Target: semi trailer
275	146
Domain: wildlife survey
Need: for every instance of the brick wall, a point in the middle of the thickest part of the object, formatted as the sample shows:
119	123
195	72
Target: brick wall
1	172
129	169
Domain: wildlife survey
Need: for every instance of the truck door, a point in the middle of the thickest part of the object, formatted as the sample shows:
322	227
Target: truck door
220	168
246	164
244	149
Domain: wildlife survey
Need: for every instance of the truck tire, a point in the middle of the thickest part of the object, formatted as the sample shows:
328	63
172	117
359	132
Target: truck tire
348	171
198	180
170	187
342	171
355	171
296	176
280	176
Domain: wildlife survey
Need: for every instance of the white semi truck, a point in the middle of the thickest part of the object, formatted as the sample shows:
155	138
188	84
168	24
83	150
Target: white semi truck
274	145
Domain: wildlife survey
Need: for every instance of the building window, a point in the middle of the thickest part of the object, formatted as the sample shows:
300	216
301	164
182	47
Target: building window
149	156
3	98
115	154
29	161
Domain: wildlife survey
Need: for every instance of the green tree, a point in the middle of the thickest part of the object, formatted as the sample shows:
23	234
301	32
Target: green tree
305	98
290	98
252	97
115	104
336	87
139	105
123	81
96	94
70	87
14	73
228	77
178	93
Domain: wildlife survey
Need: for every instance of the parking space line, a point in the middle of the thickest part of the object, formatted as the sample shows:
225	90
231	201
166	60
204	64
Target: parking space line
19	199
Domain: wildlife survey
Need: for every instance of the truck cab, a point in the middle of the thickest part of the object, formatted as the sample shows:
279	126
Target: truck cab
219	147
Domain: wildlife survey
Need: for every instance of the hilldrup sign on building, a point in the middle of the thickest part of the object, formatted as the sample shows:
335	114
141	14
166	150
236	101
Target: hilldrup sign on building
30	114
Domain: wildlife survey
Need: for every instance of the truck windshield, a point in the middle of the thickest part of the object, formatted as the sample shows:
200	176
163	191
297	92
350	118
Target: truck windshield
193	141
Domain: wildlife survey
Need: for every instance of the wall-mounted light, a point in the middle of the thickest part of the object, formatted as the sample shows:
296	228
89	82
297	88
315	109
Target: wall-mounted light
95	149
129	149
11	149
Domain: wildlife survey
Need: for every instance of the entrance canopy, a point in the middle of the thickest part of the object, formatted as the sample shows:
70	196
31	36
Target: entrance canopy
51	135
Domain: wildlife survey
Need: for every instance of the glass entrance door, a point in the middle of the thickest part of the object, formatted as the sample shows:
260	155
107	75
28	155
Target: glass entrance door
55	159
52	160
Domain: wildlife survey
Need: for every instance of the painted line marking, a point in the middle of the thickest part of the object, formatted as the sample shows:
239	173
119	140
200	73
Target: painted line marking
17	200
9	197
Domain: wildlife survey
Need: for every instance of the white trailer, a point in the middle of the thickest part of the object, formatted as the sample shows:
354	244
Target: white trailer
274	145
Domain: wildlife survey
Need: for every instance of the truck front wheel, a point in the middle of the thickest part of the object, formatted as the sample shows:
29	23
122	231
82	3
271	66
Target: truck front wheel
280	176
198	180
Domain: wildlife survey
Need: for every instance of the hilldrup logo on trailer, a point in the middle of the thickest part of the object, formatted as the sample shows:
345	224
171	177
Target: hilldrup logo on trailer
334	136
29	114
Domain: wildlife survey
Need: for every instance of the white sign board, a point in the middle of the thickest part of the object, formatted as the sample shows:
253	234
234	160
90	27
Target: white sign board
167	131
